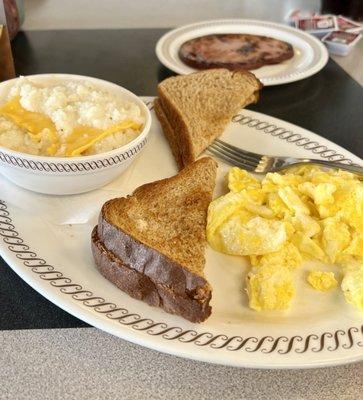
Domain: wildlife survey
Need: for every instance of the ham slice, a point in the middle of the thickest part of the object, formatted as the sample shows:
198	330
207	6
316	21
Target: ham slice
234	51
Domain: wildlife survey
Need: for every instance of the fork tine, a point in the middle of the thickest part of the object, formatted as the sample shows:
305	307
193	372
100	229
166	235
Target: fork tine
239	152
234	157
230	160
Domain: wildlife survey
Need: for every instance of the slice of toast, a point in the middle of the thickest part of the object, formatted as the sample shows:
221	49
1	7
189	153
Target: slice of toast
198	107
169	133
158	233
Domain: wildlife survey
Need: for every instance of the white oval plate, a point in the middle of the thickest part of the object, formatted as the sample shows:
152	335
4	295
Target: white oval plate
309	58
46	240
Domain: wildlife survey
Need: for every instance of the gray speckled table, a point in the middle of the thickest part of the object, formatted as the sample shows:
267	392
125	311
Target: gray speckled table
89	364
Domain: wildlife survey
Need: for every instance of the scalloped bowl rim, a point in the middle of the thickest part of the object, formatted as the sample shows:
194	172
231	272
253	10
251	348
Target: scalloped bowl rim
122	149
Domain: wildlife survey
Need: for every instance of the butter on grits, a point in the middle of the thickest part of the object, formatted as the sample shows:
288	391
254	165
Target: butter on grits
66	120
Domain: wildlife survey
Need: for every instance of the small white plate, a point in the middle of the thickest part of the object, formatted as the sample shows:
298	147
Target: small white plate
310	55
46	240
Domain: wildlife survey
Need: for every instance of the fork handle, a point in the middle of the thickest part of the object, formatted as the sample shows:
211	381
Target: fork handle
347	167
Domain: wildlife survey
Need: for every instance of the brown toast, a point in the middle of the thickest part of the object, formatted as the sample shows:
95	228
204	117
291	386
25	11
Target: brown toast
141	287
195	109
169	133
156	236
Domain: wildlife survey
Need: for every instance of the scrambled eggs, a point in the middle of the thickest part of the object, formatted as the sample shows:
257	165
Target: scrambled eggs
352	286
307	213
322	280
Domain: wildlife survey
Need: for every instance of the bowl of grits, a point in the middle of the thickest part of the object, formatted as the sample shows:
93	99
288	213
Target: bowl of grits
67	134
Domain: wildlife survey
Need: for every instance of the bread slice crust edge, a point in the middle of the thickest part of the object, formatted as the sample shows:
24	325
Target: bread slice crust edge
148	261
139	286
169	133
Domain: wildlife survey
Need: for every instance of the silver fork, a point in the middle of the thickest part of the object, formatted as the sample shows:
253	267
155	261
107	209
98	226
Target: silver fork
262	164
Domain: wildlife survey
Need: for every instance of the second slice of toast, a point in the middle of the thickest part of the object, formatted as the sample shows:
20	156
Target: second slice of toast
156	236
194	109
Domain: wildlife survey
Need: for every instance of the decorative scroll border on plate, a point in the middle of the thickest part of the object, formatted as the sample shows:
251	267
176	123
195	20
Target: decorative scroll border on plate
289	136
331	341
70	167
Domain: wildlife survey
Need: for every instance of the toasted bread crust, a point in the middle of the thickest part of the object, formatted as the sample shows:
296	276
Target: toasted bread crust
144	196
168	132
173	116
139	285
146	260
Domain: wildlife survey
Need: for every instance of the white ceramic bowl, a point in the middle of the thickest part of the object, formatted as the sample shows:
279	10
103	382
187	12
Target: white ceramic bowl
71	175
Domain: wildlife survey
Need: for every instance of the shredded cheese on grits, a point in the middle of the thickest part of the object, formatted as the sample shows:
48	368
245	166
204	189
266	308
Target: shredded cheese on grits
66	120
307	213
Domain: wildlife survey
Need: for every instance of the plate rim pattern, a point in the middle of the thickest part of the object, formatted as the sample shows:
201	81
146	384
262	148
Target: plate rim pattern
344	338
70	167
